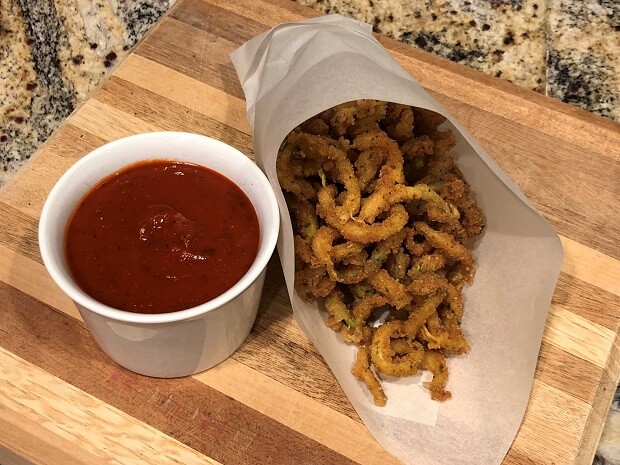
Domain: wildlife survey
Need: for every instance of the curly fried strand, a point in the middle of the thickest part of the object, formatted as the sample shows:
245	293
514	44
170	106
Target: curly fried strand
390	287
435	362
361	370
384	356
449	246
385	197
399	122
317	146
355	230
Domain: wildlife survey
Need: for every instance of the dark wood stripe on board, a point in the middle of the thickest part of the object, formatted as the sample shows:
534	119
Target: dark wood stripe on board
19	232
566	372
588	301
218	21
175	47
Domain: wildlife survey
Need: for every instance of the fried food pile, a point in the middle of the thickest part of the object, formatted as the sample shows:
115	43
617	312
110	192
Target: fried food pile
380	215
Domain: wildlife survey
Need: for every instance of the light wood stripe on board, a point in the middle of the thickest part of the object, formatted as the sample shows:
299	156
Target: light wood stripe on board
578	336
27	442
545	427
109	123
156	109
190	93
297	411
84	420
31	278
591	266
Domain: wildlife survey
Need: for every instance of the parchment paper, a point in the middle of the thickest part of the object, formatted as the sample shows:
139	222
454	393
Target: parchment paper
297	70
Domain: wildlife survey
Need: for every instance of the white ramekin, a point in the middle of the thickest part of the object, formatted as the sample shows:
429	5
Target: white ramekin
169	344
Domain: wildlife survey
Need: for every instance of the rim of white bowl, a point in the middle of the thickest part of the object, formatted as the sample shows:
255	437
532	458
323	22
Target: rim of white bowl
78	295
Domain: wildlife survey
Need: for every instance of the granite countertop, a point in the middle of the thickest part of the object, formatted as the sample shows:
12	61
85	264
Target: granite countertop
56	52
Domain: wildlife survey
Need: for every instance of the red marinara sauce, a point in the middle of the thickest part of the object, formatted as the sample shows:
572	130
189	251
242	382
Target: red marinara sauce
161	236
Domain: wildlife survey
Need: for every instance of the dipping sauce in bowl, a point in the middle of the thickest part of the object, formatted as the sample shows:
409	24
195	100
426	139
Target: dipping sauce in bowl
165	257
161	236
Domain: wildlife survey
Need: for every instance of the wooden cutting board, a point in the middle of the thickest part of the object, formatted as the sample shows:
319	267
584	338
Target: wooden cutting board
62	401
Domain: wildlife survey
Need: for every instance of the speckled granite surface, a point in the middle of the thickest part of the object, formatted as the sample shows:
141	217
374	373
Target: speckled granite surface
609	447
54	53
583	61
501	38
567	49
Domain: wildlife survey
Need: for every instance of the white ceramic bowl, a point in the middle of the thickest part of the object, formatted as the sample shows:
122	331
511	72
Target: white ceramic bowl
169	344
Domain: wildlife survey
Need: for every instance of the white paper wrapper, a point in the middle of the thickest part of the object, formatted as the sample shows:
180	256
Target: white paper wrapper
294	72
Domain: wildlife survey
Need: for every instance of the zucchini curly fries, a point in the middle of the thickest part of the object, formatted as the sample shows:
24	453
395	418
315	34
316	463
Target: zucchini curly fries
380	215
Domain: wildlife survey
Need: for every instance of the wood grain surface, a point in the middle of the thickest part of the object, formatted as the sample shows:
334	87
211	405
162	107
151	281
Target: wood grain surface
62	401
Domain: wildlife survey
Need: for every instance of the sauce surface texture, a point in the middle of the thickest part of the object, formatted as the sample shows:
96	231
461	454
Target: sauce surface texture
161	236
